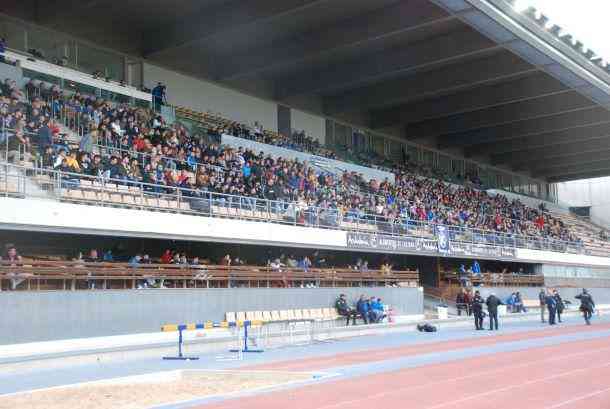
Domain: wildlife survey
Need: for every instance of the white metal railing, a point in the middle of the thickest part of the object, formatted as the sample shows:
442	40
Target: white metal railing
147	196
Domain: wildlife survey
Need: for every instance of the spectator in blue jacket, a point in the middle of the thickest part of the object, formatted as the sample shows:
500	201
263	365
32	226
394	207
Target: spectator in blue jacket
476	268
377	311
135	260
364	308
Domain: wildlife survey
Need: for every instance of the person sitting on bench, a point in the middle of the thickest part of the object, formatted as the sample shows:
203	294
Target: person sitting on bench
364	309
377	313
345	310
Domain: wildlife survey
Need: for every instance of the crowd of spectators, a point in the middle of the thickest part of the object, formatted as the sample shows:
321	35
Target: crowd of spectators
140	147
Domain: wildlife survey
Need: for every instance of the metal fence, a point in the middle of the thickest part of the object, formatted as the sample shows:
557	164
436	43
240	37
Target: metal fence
104	191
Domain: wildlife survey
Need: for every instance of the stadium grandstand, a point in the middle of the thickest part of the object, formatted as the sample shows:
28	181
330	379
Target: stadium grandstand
224	161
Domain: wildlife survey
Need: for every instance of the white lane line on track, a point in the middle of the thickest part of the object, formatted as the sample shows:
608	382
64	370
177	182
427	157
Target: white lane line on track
509	387
459	378
579	398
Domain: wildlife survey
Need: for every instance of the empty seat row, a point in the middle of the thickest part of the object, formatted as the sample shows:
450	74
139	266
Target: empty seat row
123	199
283	315
96	185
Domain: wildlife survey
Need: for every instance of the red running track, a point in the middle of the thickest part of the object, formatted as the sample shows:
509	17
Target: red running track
352	358
571	375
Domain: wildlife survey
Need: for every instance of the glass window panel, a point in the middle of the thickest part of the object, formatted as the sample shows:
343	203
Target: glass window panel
444	163
91	60
457	168
330	133
13	33
428	158
506	182
378	145
55	47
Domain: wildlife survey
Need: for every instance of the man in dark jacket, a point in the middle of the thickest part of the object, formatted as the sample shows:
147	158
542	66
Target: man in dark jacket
477	310
586	305
45	137
492	308
560	304
551	305
345	310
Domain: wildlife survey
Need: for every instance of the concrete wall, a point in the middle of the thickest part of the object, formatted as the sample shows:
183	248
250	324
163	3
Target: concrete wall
203	96
45	316
313	125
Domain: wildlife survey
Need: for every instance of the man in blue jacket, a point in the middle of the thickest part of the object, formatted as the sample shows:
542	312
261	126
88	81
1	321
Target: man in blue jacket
377	314
551	305
363	307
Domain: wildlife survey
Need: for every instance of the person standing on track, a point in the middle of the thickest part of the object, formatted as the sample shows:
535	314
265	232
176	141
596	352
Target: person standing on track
477	310
542	298
551	304
587	305
560	304
492	309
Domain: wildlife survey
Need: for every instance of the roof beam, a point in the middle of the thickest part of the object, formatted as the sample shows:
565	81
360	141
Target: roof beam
579	176
576	152
225	17
389	63
501	115
500	151
575	169
445	80
490	95
596	115
388	22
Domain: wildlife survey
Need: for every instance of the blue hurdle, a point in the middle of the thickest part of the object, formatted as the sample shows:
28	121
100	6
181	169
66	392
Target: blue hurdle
208	325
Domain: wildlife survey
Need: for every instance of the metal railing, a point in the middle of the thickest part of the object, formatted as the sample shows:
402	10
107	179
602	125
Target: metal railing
31	274
105	191
312	216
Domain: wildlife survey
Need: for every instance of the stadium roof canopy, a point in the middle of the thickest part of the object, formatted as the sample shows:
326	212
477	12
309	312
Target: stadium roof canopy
471	76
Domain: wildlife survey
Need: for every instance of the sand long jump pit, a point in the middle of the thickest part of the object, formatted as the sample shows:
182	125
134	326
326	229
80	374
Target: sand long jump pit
156	389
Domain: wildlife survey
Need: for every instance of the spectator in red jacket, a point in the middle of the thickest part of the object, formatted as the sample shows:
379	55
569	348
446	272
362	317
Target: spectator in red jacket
167	257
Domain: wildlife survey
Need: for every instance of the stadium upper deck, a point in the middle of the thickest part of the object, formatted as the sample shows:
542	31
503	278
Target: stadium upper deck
465	76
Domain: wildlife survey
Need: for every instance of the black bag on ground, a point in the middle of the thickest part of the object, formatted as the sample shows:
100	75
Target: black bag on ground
426	328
